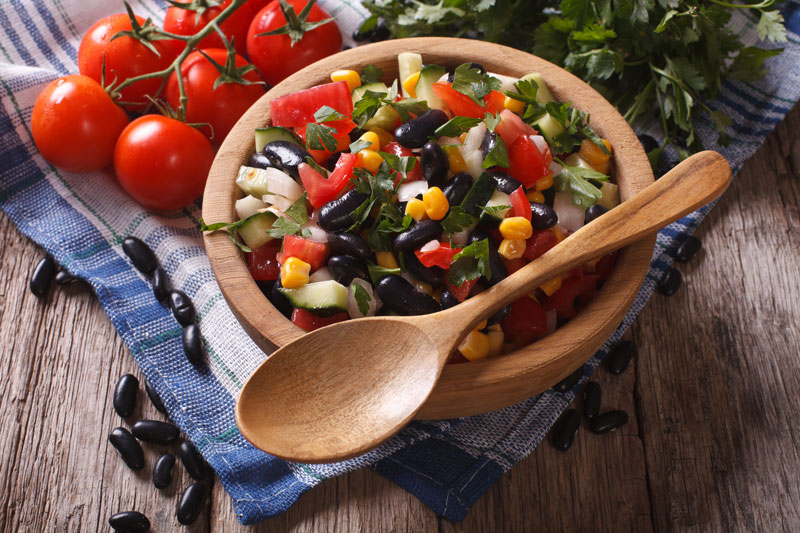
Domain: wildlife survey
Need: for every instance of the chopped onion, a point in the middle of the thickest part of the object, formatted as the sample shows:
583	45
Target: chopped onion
249	205
281	202
570	216
352	305
474	139
556	168
462	236
323	274
540	143
474	163
410	189
430	246
282	184
507	83
317	234
551	320
448	141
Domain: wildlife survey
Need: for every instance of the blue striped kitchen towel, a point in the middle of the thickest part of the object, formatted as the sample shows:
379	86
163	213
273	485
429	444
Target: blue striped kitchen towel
82	219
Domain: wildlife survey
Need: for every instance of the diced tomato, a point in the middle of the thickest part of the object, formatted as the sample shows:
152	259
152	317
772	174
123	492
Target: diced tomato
575	292
297	109
262	262
526	321
401	151
511	126
605	265
512	265
527	162
462	291
308	321
539	243
462	105
520	205
321	190
441	256
313	253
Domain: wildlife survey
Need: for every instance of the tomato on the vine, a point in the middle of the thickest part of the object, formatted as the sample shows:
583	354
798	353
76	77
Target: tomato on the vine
275	56
219	106
75	124
161	162
125	57
182	21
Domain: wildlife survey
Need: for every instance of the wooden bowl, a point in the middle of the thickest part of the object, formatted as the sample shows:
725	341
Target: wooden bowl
469	388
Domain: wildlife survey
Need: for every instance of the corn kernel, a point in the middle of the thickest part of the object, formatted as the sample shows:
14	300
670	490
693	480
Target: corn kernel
294	273
475	346
517	106
416	208
410	84
545	182
482	325
558	233
454	159
384	137
372	138
350	77
511	248
369	159
495	327
514	228
550	287
386	260
436	204
535	196
496	339
421	286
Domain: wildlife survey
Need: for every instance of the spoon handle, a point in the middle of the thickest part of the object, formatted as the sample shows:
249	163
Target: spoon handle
691	184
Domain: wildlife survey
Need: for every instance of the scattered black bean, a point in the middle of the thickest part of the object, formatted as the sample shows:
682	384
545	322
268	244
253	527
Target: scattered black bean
128	447
620	357
688	249
346	47
193	344
160	284
608	421
381	31
568	382
499	316
162	471
434	164
457	188
335	215
648	143
191	503
280	301
140	255
344	268
504	182
42	277
286	156
192	461
403	298
349	244
416	132
565	429
154	397
155	431
182	307
129	522
593	212
543	216
417	235
64	278
670	282
592	395
125	395
433	275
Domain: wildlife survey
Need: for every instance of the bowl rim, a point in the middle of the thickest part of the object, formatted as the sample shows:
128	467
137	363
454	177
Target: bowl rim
479	386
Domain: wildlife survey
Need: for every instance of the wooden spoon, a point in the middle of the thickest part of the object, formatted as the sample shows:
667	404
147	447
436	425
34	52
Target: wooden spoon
339	391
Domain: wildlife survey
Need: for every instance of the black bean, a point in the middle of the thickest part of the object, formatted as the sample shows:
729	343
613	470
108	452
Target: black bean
670	282
434	164
182	307
335	215
504	182
259	160
349	244
128	447
162	471
365	31
608	421
155	431
401	297
346	47
593	212
433	275
447	299
129	522
42	277
549	195
344	268
286	156
193	344
457	188
499	316
191	503
280	301
333	160
620	357
154	397
688	249
192	461
64	278
543	216
125	395
160	284
592	394
648	143
140	255
565	429
416	132
355	134
488	143
417	235
568	382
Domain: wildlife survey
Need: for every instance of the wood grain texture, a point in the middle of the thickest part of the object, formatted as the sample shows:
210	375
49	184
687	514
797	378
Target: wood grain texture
712	444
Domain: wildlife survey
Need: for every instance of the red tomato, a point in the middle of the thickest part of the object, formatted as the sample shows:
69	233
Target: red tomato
539	243
125	57
257	5
462	105
525	322
275	56
75	124
462	291
441	256
575	292
313	253
402	151
512	265
527	162
263	263
308	321
297	109
321	190
221	106
182	21
511	126
519	203
161	162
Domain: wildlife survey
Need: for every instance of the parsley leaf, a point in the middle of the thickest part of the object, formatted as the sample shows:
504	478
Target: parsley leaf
362	297
470	263
469	81
408	106
358	145
377	273
230	228
491	121
327	113
292	221
497	156
366	107
320	137
492	209
457	220
456	126
584	193
371	74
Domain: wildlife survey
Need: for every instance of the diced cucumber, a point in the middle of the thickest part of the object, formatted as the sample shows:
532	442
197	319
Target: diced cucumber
321	298
427	77
543	94
254	231
574	160
247	206
407	64
610	198
376	87
478	195
274	133
549	127
493	220
385	118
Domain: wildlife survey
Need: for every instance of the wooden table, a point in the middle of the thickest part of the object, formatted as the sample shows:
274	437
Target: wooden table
713	442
